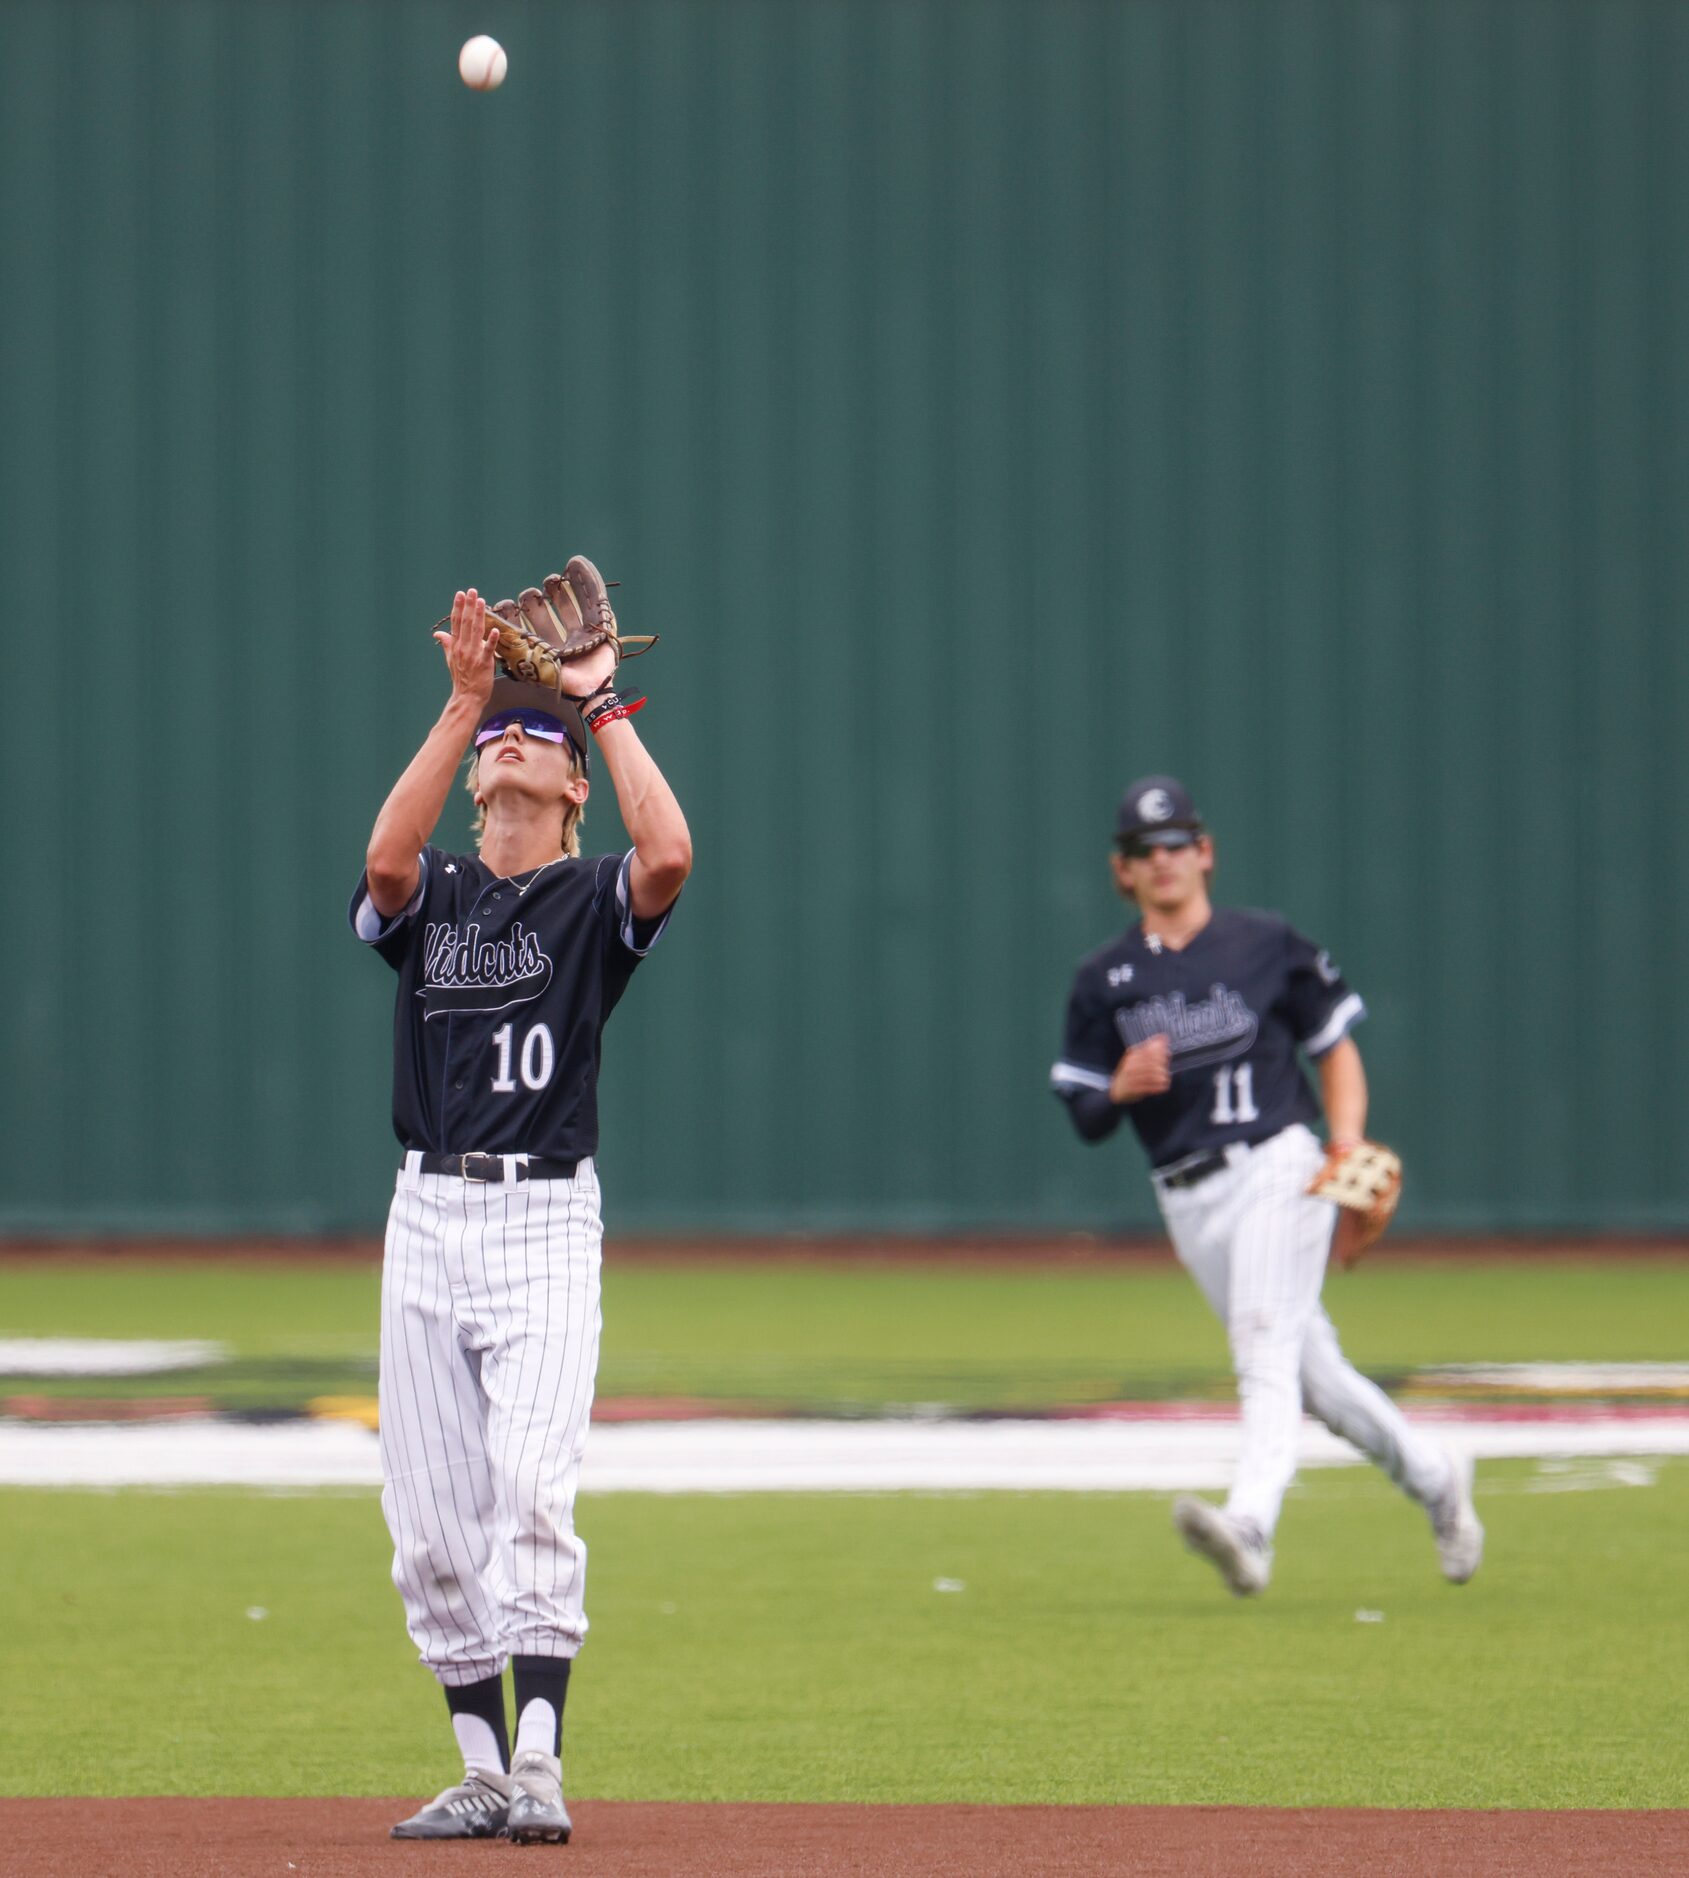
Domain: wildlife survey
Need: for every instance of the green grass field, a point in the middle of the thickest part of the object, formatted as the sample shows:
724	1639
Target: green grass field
883	1334
795	1647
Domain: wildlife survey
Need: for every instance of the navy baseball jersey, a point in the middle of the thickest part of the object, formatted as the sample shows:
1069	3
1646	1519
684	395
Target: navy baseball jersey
1236	1004
504	989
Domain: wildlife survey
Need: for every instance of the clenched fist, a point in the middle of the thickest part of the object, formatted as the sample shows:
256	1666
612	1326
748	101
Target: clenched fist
1146	1069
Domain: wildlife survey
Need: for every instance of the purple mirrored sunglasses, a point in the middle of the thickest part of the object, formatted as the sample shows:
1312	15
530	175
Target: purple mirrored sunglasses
539	724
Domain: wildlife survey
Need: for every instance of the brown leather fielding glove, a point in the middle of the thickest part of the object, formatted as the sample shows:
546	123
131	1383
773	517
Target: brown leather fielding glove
539	632
1364	1182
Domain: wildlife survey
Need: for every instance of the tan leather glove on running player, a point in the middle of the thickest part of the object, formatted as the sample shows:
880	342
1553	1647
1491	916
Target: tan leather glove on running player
1364	1182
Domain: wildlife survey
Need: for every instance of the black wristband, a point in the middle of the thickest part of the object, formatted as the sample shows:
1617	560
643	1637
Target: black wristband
604	687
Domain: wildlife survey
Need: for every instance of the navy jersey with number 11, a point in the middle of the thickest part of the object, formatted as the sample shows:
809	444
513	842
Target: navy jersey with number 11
1236	1004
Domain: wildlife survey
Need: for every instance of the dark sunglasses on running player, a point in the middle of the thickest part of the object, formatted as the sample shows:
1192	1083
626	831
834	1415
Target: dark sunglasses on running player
534	724
1174	839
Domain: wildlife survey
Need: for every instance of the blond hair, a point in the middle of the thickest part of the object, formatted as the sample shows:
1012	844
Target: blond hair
573	812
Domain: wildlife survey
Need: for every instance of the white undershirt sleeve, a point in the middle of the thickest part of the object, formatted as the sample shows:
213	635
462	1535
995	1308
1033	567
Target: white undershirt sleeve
368	924
626	922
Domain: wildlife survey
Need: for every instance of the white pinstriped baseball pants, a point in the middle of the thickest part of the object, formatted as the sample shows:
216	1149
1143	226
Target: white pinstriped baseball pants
1257	1246
489	1351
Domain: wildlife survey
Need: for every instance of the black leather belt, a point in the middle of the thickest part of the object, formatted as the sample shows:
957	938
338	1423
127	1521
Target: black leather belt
1190	1173
1200	1166
491	1167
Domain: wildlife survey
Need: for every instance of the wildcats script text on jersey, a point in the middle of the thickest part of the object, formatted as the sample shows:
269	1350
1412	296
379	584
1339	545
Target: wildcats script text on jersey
459	961
1220	1025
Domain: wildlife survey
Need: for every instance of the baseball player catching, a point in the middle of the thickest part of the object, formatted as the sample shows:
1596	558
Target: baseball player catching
1189	1024
509	962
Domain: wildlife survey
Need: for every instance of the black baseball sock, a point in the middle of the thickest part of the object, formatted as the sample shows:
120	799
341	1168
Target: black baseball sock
482	1701
540	1679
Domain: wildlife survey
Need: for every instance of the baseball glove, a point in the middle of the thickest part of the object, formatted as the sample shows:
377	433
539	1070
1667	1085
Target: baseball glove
1364	1181
570	615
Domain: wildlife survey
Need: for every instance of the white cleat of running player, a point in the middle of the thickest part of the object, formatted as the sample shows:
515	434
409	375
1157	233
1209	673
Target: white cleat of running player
1455	1524
1241	1556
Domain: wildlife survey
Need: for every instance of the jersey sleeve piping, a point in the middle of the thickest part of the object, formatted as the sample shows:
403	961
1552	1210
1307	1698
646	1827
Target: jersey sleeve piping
369	925
1067	1077
1336	1027
627	922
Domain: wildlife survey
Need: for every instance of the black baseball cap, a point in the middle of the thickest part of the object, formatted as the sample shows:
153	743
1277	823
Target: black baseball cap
515	694
1156	806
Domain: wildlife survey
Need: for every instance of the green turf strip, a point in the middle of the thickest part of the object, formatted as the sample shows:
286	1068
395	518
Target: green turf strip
263	1308
843	1338
995	1338
793	1647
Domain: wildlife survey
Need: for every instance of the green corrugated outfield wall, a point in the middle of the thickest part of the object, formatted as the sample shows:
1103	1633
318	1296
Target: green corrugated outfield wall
987	401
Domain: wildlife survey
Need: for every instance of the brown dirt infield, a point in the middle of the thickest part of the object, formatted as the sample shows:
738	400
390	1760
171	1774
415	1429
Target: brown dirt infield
629	1839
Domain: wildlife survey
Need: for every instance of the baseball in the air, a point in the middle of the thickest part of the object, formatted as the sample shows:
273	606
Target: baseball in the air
482	64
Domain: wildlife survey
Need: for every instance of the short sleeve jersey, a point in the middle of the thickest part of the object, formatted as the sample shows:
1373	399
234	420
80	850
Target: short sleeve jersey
1236	1004
505	986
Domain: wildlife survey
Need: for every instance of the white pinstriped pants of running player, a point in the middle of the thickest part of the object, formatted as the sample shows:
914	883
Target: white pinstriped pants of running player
489	1349
1257	1245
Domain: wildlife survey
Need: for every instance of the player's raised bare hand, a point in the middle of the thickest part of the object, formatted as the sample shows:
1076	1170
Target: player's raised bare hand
1146	1069
469	647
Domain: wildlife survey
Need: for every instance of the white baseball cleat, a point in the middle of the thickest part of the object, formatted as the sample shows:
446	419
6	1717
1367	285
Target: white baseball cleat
474	1809
1244	1560
537	1812
1455	1523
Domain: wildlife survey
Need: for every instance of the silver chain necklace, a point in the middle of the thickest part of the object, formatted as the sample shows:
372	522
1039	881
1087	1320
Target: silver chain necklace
537	872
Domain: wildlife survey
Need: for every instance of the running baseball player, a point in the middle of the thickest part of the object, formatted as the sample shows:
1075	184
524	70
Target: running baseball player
1189	1024
509	962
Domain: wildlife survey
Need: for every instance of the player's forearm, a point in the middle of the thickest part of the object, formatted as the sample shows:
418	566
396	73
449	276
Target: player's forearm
1094	1113
1343	1088
412	810
650	813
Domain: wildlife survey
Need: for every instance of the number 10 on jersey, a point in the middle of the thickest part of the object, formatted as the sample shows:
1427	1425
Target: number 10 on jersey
538	1058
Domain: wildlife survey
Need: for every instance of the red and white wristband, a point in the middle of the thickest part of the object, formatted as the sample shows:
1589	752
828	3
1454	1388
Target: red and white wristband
606	707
